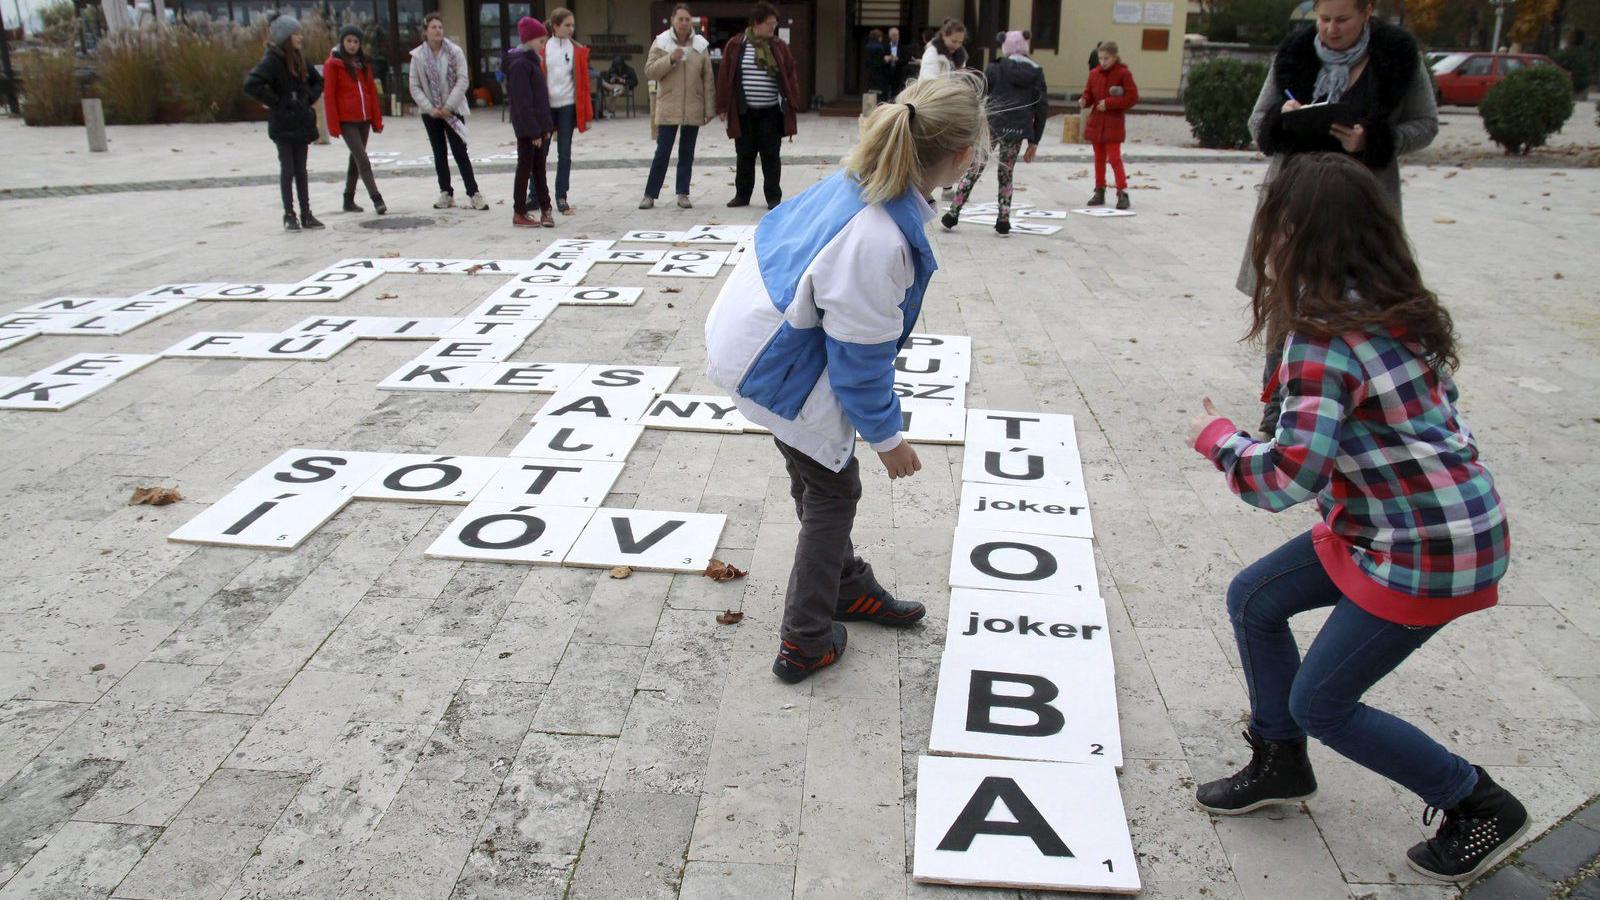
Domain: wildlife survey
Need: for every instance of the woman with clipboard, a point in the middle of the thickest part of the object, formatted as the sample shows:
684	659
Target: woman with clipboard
1380	106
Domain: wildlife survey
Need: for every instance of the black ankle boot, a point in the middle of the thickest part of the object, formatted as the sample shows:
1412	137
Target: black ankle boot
1002	226
350	204
949	220
377	204
1098	198
307	220
290	223
1122	200
1473	836
1278	772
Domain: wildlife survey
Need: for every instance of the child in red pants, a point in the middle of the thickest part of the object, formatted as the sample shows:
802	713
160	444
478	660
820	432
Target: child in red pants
1109	94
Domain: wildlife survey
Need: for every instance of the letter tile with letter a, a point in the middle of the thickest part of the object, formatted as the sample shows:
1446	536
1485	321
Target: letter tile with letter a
1010	823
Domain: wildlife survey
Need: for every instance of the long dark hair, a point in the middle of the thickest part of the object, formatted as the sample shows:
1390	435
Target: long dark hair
1331	257
352	64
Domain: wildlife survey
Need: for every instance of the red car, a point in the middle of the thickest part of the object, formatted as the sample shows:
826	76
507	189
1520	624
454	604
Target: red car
1463	78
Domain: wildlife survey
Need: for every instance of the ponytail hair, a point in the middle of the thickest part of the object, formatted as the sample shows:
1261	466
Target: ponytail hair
930	122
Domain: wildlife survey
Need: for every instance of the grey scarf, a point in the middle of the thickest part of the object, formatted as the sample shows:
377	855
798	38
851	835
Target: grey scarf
1334	78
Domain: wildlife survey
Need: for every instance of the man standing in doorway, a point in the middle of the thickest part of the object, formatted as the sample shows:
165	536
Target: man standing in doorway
895	60
756	91
439	77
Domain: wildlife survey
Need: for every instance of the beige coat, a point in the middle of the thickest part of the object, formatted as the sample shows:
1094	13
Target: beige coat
685	91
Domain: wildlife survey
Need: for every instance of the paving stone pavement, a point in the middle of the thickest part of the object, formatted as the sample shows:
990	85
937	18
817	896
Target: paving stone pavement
357	719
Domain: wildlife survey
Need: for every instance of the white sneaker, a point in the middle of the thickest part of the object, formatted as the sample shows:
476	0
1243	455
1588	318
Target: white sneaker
445	201
647	203
478	202
683	202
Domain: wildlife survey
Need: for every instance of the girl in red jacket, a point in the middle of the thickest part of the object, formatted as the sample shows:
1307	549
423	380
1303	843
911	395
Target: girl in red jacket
1109	94
351	100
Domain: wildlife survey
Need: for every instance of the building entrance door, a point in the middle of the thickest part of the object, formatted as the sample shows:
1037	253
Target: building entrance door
491	31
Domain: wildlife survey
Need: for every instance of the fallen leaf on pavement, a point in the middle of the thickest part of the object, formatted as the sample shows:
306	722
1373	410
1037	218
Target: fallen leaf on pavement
388	296
474	269
729	617
1443	220
622	571
672	290
154	496
391	254
720	571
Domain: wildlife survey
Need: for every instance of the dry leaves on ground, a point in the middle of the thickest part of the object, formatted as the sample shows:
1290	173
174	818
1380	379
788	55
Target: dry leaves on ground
388	296
729	617
720	571
667	290
1443	220
622	571
154	496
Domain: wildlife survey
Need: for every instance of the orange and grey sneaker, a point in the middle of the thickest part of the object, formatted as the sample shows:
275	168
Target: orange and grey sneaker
795	666
881	608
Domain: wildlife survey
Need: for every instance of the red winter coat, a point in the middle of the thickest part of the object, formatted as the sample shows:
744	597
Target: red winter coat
730	74
1106	126
349	99
582	95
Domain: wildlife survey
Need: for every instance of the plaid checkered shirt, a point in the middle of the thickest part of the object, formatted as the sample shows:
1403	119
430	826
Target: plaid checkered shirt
1372	431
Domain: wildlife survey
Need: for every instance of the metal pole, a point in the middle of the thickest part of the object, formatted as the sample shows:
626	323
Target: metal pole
5	68
1499	17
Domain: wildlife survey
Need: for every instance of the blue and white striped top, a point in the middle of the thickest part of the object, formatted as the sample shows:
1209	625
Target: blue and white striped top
760	86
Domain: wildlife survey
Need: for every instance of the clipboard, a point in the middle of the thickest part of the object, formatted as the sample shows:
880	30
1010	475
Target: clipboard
1315	119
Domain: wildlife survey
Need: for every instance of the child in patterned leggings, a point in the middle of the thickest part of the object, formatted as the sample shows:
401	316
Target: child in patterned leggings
1018	106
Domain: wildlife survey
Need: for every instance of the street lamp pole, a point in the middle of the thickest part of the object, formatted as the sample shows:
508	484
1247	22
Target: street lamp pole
1499	19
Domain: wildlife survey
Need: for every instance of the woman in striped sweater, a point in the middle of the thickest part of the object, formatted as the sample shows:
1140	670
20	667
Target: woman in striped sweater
1413	533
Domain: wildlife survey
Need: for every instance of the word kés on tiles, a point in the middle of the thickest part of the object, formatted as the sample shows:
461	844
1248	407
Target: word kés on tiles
1022	789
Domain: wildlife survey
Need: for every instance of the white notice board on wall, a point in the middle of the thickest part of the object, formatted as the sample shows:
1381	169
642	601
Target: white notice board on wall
1157	13
1127	12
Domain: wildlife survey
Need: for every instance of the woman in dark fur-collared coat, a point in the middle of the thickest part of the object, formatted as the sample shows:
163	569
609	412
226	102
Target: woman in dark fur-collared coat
1353	58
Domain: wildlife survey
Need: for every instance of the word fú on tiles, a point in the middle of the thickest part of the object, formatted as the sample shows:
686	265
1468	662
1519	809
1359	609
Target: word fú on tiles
1019	824
243	345
1027	677
75	378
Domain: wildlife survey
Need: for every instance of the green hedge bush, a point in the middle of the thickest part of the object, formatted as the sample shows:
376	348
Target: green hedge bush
1579	62
1526	107
1218	99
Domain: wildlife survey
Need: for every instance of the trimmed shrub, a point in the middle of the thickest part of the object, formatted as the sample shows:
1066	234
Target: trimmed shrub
50	94
133	76
1526	107
1579	62
1218	100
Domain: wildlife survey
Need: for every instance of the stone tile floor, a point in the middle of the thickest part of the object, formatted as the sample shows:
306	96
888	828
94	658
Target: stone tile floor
354	718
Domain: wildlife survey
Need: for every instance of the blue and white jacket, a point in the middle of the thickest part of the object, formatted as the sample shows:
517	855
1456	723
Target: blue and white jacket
806	330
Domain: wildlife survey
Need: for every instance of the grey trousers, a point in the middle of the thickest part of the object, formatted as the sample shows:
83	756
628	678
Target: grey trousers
827	572
355	137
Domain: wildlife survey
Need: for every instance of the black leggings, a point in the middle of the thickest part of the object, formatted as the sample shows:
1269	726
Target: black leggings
292	172
355	137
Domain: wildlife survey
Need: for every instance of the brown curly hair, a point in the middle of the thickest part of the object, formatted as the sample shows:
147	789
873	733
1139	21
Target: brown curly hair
1331	257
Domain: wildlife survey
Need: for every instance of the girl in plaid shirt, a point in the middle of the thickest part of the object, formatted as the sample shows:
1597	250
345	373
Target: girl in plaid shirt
1412	535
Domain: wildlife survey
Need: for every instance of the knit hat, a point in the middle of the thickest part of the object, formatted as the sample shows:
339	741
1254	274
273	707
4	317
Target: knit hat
529	28
284	27
1015	44
349	30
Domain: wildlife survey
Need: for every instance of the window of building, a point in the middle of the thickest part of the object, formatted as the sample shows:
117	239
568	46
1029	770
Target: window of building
1046	24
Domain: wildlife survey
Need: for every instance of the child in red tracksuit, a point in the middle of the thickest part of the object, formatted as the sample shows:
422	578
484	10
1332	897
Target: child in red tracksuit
350	98
1109	94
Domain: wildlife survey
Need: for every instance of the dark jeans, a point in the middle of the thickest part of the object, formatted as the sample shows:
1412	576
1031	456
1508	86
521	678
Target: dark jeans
440	133
827	572
566	123
665	135
355	136
760	132
531	161
1321	695
292	175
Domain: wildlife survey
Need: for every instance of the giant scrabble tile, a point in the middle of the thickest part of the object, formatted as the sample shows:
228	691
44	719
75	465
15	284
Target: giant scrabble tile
259	345
379	328
1027	563
552	482
694	412
1009	823
430	374
579	439
648	540
1027	676
617	393
419	478
630	257
602	296
255	515
242	291
1001	428
935	359
690	264
932	421
952	394
75	378
314	470
1023	465
1003	507
472	350
530	377
335	283
507	532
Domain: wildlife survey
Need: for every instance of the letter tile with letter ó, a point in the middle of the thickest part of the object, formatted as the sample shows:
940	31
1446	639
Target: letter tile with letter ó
1025	563
1010	823
511	532
418	478
1027	676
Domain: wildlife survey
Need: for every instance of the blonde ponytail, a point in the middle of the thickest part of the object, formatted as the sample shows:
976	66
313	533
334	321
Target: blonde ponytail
930	122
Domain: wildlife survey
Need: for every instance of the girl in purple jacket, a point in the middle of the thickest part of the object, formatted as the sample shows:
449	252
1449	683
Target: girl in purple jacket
529	98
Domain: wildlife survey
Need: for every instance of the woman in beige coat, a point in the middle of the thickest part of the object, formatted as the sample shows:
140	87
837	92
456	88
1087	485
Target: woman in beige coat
686	98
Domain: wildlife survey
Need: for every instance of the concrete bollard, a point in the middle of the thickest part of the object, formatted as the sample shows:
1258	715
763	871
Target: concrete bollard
94	122
869	101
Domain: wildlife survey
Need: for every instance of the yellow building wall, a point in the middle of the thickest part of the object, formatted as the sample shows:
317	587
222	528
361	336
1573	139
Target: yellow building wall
1085	23
454	13
830	14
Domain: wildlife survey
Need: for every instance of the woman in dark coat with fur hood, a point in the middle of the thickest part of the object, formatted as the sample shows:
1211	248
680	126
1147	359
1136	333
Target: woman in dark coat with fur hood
1353	58
288	87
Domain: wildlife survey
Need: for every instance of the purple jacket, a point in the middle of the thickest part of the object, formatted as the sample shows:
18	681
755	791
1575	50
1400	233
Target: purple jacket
528	95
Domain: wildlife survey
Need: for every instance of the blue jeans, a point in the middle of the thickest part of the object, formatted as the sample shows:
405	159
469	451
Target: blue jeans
566	123
665	135
1321	696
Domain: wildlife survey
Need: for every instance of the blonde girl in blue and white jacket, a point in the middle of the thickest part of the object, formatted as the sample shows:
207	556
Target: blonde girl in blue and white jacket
805	333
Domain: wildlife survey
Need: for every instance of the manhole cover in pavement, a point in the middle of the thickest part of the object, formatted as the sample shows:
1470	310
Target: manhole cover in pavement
397	223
